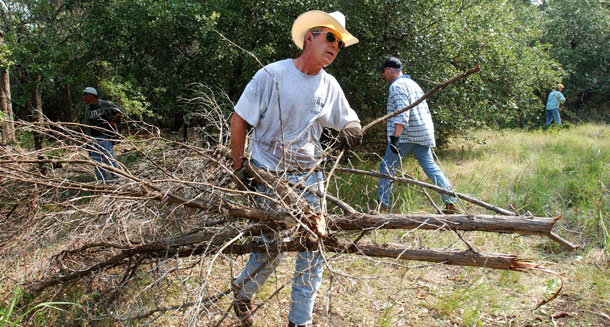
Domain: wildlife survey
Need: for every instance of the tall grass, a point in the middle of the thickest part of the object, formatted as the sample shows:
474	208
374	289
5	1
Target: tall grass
15	310
559	172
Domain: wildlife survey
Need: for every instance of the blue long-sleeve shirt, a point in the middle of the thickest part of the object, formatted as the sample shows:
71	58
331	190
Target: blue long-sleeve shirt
555	99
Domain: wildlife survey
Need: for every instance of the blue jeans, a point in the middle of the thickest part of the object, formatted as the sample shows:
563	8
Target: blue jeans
552	114
308	270
423	154
102	152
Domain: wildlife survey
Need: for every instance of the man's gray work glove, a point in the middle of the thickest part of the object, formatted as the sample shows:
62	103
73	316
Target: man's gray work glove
243	180
394	142
351	135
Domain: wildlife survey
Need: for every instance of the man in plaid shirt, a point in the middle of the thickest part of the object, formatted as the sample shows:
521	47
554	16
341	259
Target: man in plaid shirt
412	130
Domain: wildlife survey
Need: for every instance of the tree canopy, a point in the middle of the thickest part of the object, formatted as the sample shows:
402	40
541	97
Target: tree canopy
578	34
146	54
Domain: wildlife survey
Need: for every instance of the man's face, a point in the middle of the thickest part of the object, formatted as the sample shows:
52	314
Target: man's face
88	98
560	88
324	51
388	74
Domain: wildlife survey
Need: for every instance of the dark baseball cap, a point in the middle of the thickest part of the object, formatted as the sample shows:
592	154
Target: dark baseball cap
392	62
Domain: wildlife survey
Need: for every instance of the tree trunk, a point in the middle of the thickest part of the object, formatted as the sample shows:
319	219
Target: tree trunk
37	111
8	126
69	112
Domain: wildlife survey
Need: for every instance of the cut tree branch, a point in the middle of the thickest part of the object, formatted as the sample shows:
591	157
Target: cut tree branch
483	223
207	243
430	186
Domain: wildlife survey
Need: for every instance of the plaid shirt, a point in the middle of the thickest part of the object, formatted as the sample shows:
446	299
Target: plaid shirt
417	121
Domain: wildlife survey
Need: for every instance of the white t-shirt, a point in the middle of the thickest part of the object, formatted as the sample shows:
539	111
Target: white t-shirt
308	104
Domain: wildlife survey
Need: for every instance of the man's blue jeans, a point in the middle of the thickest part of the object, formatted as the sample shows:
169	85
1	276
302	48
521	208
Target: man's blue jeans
552	114
308	270
102	152
423	154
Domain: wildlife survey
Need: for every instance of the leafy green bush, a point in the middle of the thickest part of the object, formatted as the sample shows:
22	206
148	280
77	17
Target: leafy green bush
127	96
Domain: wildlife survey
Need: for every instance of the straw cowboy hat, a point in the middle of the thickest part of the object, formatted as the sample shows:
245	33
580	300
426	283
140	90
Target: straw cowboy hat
334	20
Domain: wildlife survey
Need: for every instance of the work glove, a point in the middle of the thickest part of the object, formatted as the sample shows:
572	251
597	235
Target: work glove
351	135
394	142
242	179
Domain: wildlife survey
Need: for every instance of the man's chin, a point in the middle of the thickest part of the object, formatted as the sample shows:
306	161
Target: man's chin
327	62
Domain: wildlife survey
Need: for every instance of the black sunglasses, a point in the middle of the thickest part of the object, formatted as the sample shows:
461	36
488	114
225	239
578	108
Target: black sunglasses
330	37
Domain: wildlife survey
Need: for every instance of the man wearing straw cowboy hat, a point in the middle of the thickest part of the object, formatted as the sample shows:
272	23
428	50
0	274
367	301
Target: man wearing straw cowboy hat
288	104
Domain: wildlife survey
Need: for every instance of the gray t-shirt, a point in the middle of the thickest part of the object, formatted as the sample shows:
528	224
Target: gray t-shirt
308	104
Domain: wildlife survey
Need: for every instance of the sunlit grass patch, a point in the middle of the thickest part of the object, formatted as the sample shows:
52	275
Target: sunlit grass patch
560	172
545	173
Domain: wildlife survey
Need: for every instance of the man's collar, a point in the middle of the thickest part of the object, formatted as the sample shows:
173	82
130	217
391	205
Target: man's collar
399	77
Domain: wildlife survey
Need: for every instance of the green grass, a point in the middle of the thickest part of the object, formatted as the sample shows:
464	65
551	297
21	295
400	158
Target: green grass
548	173
559	172
15	311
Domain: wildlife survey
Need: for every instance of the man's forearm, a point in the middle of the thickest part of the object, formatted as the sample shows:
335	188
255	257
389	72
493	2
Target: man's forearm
238	139
398	128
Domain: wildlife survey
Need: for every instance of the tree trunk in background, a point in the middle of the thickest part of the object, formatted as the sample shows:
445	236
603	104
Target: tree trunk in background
8	126
37	112
69	114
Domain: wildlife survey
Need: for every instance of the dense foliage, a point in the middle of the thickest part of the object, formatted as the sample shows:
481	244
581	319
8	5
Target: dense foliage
146	54
579	34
